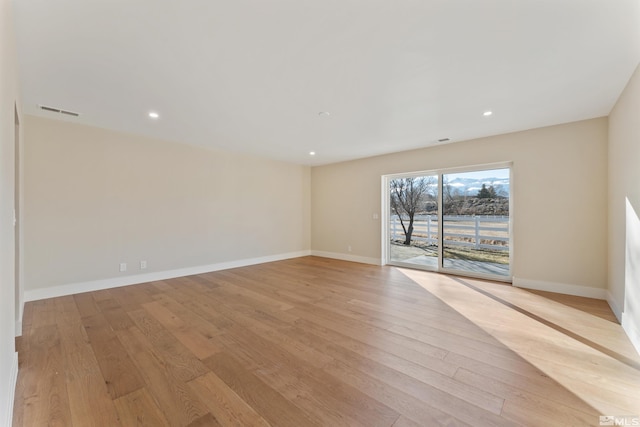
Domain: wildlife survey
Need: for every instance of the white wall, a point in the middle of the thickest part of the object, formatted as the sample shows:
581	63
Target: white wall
8	100
624	208
95	198
560	197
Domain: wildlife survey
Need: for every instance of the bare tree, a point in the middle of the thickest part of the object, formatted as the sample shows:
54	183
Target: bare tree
451	198
406	194
501	191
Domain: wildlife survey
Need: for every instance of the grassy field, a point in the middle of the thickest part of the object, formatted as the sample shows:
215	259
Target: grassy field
401	252
469	254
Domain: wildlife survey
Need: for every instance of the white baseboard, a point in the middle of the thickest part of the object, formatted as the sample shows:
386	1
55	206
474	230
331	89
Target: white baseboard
96	285
560	288
13	380
347	257
631	329
615	307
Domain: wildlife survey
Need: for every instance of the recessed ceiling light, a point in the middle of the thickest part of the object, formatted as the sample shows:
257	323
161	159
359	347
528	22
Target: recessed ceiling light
153	114
324	114
312	153
487	113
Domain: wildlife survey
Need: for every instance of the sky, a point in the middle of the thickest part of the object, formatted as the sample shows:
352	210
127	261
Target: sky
492	173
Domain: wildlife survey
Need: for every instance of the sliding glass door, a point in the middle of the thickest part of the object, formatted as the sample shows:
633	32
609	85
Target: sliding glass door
413	220
454	221
475	222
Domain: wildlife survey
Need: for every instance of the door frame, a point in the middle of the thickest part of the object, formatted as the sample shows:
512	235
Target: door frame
386	215
17	226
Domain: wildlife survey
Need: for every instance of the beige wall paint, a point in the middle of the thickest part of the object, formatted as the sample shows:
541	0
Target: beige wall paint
559	182
94	198
624	207
8	101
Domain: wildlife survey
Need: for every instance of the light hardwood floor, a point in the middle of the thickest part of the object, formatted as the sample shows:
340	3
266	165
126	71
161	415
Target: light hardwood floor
319	342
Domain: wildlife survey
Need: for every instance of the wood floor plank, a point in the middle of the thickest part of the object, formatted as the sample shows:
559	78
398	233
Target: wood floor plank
119	373
117	318
242	303
225	405
89	399
285	287
369	335
415	379
271	285
522	403
155	339
268	328
266	401
207	420
200	345
43	313
256	298
532	381
66	311
42	382
524	411
593	307
283	371
422	320
203	283
262	352
131	297
175	399
103	294
403	421
471	341
204	327
86	304
139	409
512	365
208	310
320	401
105	304
313	341
406	404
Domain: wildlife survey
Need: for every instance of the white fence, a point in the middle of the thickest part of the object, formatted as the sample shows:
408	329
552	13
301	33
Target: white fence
474	228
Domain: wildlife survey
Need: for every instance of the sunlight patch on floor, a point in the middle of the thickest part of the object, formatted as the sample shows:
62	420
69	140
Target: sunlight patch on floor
568	345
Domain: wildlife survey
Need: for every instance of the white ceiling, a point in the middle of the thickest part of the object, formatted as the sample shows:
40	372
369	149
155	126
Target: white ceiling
252	75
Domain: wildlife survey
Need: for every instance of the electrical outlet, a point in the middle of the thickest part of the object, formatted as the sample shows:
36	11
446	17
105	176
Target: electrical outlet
143	265
349	248
123	266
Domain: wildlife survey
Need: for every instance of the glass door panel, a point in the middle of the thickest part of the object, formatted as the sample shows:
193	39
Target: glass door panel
413	221
476	232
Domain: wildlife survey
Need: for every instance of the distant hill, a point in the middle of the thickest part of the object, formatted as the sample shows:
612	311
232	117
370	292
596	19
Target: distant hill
471	186
475	206
471	206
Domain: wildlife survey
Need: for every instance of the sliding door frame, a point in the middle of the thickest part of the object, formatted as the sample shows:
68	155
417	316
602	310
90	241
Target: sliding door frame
386	215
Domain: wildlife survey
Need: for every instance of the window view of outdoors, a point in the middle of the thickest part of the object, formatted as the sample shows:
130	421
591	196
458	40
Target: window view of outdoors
414	220
475	221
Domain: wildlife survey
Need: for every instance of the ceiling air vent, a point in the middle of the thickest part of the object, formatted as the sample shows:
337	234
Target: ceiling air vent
58	110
